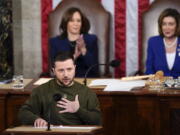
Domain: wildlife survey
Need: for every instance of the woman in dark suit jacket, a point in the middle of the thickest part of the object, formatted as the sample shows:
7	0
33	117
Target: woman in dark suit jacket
163	51
75	38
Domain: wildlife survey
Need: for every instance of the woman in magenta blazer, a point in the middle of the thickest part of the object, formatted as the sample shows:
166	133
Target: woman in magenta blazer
163	51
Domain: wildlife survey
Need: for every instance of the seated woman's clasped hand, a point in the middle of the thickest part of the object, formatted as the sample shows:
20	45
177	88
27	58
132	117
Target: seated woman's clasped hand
80	48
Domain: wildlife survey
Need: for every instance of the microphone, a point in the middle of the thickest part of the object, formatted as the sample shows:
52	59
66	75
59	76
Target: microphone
113	63
56	98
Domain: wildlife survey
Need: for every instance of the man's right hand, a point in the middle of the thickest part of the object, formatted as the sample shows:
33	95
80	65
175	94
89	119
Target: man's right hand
39	122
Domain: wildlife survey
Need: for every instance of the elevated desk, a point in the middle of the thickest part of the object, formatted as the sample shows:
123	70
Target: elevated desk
137	112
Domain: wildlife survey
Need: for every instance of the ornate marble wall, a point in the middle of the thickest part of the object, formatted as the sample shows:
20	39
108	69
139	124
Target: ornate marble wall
6	46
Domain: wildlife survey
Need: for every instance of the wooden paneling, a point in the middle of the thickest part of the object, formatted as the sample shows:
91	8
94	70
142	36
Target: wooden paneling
170	115
129	115
2	111
14	103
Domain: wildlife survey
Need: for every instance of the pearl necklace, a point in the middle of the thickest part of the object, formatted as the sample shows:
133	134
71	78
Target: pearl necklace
170	45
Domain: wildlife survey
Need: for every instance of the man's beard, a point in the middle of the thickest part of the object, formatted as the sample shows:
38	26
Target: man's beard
62	83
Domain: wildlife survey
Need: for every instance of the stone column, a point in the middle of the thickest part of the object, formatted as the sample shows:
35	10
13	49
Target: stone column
27	37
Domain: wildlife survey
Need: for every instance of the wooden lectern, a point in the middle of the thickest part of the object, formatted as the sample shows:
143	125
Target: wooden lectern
58	130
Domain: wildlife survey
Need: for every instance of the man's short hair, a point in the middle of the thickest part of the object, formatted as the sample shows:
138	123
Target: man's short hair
62	56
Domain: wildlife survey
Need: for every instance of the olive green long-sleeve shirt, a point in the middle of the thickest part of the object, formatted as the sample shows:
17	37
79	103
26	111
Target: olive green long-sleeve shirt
41	104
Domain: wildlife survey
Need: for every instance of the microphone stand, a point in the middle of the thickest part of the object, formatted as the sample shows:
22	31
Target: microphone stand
113	63
89	69
56	98
49	120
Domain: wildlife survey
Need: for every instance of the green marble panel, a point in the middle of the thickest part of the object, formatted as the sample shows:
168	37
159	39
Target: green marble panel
6	44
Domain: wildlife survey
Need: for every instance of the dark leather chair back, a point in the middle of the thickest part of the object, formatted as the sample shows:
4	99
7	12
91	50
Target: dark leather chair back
99	20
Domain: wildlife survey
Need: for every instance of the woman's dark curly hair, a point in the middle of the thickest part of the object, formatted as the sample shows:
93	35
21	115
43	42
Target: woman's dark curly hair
68	16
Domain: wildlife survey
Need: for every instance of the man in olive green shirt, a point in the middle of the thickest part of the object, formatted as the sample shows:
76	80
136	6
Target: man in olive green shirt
78	105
